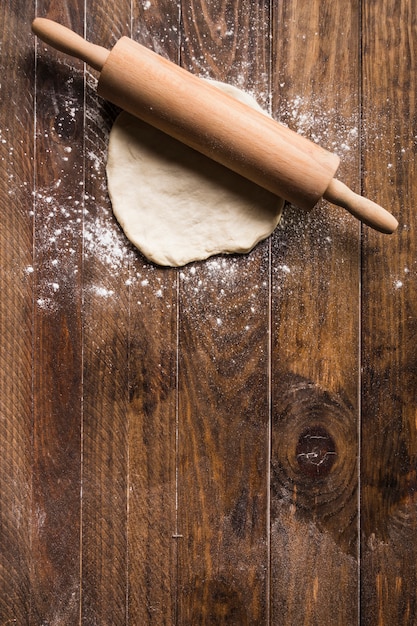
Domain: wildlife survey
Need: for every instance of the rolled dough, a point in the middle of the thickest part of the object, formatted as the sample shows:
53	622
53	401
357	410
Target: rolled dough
176	205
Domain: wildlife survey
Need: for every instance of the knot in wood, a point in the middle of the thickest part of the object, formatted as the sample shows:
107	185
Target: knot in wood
314	456
315	452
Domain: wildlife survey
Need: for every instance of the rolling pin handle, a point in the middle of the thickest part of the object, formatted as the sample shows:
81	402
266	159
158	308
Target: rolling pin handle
363	209
65	40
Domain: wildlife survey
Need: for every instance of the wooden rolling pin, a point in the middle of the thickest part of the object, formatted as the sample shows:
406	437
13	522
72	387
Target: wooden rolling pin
204	118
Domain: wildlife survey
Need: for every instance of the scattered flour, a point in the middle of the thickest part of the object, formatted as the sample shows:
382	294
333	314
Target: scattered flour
69	234
323	125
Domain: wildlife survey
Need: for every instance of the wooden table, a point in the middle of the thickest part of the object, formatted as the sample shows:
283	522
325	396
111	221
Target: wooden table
235	441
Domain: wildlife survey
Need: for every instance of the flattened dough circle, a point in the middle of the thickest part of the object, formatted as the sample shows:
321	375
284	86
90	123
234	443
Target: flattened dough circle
176	205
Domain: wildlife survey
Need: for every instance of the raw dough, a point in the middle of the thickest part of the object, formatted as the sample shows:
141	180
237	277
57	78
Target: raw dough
176	205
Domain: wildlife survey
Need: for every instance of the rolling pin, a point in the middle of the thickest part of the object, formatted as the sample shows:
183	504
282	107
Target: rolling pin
198	114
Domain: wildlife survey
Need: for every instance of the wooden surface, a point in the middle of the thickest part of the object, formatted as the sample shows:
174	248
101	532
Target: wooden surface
233	442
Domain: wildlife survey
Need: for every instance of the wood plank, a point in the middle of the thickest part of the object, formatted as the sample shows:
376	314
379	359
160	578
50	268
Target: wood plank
389	316
315	322
152	447
153	403
57	387
106	350
16	279
223	371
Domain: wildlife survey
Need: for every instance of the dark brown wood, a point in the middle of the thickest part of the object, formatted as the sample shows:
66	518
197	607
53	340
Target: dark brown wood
389	443
315	317
189	446
224	373
57	375
152	414
106	318
16	332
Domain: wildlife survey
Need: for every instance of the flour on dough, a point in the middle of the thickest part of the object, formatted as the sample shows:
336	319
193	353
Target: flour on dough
176	205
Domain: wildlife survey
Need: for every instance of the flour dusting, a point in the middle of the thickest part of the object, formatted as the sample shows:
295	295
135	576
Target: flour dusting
76	229
323	125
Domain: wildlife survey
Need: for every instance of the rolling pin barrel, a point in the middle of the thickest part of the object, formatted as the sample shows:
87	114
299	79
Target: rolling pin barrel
198	114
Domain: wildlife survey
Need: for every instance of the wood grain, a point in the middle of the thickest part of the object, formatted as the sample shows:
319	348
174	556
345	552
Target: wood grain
389	450
57	331
152	415
224	375
16	332
106	318
315	317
